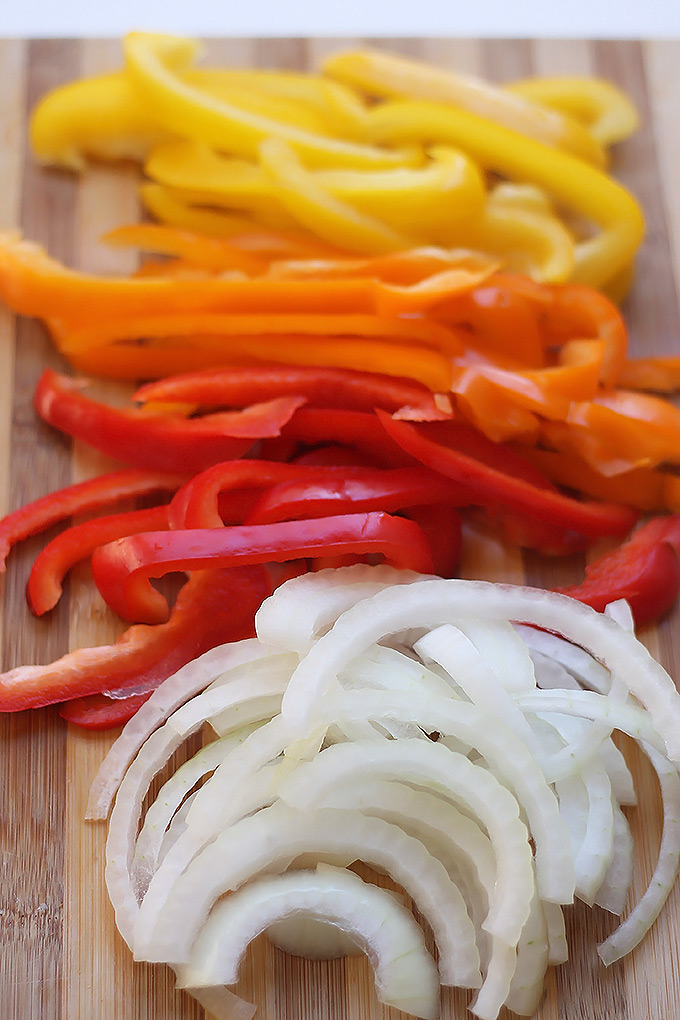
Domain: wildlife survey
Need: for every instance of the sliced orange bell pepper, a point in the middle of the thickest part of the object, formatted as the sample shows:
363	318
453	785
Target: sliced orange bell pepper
661	375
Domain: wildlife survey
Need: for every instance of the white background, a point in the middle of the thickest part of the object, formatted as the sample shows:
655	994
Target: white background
488	18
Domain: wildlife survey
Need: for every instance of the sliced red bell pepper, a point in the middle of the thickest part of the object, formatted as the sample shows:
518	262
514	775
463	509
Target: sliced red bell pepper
44	587
241	385
333	454
214	606
122	569
168	442
503	481
100	712
645	571
197	503
362	431
322	491
105	490
442	526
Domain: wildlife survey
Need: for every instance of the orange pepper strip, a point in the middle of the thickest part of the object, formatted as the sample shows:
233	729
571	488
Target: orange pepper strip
645	426
579	312
401	267
503	315
642	487
490	410
612	441
130	361
662	374
207	253
32	283
74	336
400	299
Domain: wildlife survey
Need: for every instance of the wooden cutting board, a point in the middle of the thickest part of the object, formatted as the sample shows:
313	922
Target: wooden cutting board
60	957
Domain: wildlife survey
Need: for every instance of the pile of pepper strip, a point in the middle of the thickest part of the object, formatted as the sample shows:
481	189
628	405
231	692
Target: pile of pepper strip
307	468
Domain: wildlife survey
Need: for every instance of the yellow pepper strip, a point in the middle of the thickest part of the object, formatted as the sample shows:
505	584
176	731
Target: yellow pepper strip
449	188
529	242
521	196
341	109
164	205
155	63
180	354
261	104
571	182
99	117
315	208
389	76
600	106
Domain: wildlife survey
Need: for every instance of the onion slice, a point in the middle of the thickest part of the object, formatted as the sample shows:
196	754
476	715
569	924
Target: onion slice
405	974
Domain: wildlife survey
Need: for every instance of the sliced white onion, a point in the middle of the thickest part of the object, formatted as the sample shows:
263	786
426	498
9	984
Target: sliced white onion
451	836
304	608
405	974
504	752
166	699
647	909
450	647
577	661
270	840
433	602
253	705
613	892
312	939
505	652
395	719
450	775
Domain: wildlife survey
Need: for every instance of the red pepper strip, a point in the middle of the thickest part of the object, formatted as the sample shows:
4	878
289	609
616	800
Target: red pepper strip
171	442
334	454
213	606
509	486
100	712
122	569
323	387
84	497
44	588
645	570
442	526
354	490
197	505
305	491
358	429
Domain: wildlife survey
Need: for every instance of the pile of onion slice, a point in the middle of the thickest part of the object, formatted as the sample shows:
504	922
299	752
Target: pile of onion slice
455	735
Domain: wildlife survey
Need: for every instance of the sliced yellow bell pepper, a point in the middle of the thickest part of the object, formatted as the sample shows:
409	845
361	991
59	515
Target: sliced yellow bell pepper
449	188
534	243
389	76
600	106
98	117
156	63
585	190
340	108
315	208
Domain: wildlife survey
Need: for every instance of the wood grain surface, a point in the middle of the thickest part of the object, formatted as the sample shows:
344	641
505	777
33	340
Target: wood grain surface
60	957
